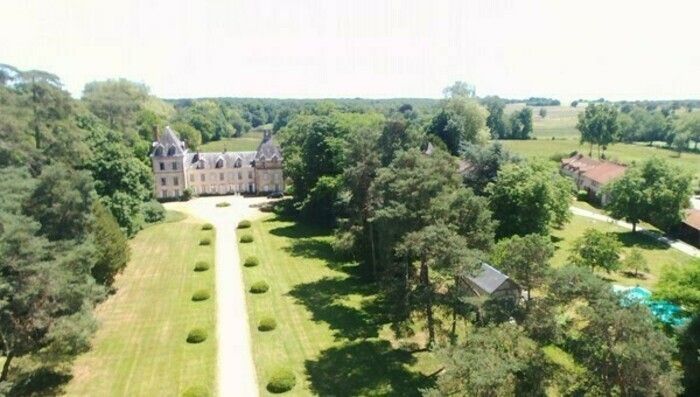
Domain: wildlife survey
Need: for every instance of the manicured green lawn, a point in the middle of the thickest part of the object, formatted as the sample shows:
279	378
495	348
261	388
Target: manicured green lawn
248	142
140	348
626	153
657	254
330	331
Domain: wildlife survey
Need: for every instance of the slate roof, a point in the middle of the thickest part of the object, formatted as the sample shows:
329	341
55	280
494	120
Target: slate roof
268	149
210	159
167	140
488	279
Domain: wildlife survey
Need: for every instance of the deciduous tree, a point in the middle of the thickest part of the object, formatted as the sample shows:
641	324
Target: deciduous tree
596	249
525	259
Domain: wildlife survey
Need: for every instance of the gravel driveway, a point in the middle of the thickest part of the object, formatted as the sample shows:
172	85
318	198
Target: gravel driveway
236	372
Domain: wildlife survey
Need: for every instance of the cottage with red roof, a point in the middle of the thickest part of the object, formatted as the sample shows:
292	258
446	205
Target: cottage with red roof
591	175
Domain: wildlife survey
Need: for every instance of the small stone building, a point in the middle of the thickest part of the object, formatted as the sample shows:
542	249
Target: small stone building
175	169
491	282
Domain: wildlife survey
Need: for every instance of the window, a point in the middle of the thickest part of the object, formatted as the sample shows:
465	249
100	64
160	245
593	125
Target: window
163	193
202	177
159	151
171	151
237	164
191	177
176	181
266	176
162	166
219	163
250	174
221	176
163	181
240	176
174	165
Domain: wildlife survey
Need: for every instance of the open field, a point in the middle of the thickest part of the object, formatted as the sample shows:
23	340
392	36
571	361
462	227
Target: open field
622	152
560	121
656	253
245	143
140	348
329	324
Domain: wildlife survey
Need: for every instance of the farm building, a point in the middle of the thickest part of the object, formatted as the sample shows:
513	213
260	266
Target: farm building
491	282
591	175
689	229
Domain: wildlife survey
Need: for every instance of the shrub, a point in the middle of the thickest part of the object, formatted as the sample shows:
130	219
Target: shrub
207	226
186	195
205	241
259	287
582	195
282	380
153	211
247	238
251	261
200	295
201	266
267	324
223	204
196	391
197	335
244	224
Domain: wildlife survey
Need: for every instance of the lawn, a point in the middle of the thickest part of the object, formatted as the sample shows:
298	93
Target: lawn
330	331
140	348
626	153
656	253
560	121
247	142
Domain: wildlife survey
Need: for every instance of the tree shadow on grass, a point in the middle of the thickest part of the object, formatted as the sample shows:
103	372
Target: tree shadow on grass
323	299
366	368
44	381
640	240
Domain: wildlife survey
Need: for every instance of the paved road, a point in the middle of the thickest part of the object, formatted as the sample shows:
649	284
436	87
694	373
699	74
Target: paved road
677	244
236	372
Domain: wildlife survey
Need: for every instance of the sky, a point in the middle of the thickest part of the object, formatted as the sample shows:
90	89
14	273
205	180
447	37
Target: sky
356	48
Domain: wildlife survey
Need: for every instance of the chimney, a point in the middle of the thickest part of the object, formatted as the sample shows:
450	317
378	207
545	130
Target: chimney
155	133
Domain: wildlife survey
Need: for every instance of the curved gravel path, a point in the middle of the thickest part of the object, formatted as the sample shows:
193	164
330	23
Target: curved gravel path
236	371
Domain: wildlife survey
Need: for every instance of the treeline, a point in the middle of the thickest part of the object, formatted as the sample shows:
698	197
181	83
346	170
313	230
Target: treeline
421	201
604	123
74	184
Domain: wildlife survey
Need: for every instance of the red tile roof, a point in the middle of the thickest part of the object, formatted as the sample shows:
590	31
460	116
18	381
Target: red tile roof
692	219
605	172
579	163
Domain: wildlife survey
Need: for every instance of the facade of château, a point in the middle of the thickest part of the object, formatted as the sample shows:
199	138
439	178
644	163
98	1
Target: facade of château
175	169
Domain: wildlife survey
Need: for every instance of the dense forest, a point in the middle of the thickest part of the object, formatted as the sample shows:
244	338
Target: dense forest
415	191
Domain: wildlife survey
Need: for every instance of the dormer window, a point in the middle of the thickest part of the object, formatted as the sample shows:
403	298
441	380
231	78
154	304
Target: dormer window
159	151
220	163
171	151
201	164
237	164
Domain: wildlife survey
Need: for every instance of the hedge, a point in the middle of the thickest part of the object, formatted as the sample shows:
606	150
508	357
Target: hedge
244	224
282	380
197	335
259	287
267	324
223	204
201	295
251	261
207	226
247	238
205	241
201	266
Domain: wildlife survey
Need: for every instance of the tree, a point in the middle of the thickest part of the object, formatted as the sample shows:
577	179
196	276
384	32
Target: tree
525	259
596	249
627	199
528	198
115	101
680	285
543	112
110	243
635	262
521	124
440	248
496	119
484	163
189	134
460	120
689	347
61	202
598	125
491	361
680	142
459	89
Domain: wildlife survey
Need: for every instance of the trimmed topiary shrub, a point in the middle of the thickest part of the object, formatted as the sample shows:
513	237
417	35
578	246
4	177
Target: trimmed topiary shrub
259	287
201	266
267	324
247	238
251	261
223	204
282	380
205	241
196	391
200	295
153	211
244	224
207	226
197	335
